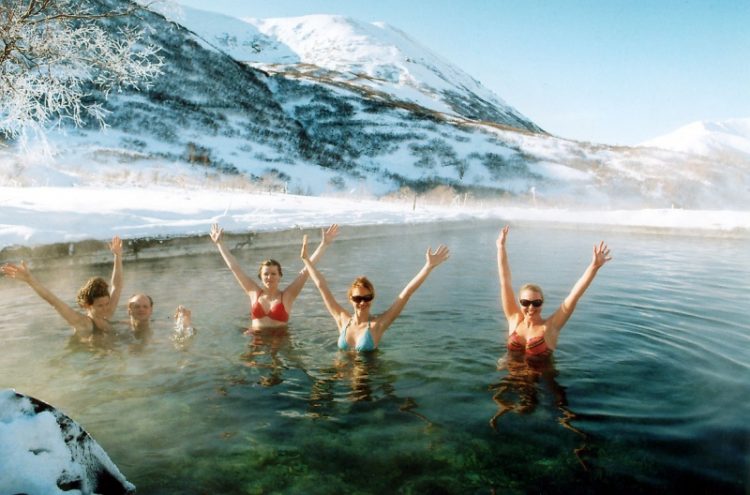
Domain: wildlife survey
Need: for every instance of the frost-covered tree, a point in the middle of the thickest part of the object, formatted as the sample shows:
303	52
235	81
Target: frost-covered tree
53	53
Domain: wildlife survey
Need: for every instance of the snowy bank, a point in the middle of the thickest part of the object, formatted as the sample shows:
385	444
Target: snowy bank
34	216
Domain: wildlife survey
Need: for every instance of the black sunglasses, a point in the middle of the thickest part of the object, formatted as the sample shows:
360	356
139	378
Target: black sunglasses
365	298
536	302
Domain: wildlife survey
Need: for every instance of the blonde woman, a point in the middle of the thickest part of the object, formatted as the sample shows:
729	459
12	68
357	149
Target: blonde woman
529	332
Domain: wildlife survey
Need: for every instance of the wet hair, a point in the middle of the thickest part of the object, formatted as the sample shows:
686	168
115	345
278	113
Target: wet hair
94	288
533	288
270	262
361	282
150	301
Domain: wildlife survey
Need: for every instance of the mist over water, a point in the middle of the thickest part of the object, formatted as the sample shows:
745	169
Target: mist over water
646	390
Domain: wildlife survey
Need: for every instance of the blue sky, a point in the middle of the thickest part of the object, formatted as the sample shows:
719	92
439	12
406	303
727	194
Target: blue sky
616	72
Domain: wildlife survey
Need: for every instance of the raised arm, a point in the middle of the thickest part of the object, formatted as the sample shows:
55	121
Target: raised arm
115	286
333	307
599	258
507	295
294	288
432	260
245	282
78	321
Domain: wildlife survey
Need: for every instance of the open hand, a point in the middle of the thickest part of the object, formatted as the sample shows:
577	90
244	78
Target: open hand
216	233
116	246
502	237
601	255
184	313
19	272
330	233
438	256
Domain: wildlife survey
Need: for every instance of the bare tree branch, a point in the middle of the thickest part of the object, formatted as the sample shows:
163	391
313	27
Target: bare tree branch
54	52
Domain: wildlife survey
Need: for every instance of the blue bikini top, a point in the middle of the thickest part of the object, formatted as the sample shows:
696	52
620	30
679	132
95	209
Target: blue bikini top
364	342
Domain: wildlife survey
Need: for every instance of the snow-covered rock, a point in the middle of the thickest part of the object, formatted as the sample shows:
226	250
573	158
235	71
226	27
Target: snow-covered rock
44	452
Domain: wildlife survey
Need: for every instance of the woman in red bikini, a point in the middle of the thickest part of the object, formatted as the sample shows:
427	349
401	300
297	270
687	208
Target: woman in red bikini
528	332
269	305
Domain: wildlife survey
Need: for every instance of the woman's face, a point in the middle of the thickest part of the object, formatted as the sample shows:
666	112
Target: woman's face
100	307
361	298
531	302
269	275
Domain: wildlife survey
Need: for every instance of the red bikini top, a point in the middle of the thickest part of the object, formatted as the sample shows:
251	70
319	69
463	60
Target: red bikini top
277	311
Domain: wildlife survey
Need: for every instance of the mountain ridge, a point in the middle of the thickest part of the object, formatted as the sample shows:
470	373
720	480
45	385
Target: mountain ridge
362	55
298	127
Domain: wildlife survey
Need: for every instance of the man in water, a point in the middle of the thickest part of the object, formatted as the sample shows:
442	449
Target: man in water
140	310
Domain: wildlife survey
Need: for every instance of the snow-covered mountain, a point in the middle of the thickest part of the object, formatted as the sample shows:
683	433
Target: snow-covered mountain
373	58
727	139
327	104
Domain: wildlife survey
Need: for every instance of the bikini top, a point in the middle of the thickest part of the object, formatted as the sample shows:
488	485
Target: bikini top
276	312
533	347
364	342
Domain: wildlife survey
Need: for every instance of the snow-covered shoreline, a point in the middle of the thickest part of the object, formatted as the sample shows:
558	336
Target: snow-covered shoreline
36	216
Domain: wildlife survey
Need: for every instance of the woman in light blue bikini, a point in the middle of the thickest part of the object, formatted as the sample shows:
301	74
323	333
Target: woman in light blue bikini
361	331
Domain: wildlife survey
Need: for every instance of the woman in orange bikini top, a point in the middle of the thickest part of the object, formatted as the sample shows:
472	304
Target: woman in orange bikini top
528	332
270	306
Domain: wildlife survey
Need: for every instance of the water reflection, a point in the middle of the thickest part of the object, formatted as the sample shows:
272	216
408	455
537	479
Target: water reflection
136	341
520	389
367	380
99	343
264	353
357	370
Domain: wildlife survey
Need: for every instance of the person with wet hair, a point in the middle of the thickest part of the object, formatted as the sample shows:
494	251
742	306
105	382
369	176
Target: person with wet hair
96	298
142	332
270	306
141	309
529	333
359	330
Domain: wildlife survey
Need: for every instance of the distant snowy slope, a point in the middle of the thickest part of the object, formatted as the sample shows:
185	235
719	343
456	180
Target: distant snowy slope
238	39
728	137
373	57
377	53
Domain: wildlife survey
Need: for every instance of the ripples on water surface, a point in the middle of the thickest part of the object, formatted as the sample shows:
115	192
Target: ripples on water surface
648	389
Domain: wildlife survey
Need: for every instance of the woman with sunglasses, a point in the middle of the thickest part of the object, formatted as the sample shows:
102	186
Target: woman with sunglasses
97	299
362	331
270	306
530	333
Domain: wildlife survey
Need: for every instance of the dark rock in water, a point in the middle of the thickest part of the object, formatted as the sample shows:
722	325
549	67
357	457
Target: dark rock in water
45	452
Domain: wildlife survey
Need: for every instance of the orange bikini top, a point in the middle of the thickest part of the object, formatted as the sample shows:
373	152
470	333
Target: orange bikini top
535	346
